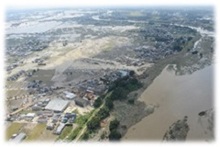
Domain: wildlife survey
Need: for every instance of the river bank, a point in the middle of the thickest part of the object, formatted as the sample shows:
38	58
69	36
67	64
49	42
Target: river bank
176	97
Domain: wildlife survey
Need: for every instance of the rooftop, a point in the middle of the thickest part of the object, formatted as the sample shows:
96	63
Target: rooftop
57	105
69	95
19	137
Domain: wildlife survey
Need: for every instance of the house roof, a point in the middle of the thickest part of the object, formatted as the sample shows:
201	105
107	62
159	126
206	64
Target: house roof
60	128
82	102
70	95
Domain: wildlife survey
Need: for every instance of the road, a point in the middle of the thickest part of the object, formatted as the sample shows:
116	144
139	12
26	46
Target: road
20	109
85	125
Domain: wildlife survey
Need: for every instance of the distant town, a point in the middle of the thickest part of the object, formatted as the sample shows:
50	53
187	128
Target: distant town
87	74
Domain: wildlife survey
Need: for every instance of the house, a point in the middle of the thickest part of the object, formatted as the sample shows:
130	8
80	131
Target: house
89	94
30	116
69	95
36	108
50	126
42	119
81	102
48	113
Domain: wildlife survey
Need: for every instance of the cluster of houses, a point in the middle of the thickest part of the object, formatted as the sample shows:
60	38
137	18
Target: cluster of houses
51	111
26	74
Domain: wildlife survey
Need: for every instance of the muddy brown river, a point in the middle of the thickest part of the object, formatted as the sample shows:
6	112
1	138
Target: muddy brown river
176	97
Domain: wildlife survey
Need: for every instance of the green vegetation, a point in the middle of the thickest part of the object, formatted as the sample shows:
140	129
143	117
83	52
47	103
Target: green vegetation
100	113
103	113
74	133
121	88
131	101
118	91
98	102
26	111
85	136
94	123
82	119
36	132
13	129
109	103
66	131
114	133
114	124
75	111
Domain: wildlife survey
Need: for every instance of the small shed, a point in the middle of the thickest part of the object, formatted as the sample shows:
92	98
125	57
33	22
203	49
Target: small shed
81	102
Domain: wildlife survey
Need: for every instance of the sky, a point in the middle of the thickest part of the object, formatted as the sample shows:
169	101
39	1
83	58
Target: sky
21	4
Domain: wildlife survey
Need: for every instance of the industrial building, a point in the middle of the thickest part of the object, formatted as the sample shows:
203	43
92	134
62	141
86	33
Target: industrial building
57	105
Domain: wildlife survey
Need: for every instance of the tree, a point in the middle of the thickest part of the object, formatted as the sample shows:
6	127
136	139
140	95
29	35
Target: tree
94	123
119	93
189	38
85	136
114	135
177	48
98	102
109	103
103	113
131	101
133	81
132	73
114	124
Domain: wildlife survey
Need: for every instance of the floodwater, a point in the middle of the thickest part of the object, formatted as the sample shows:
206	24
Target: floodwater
32	27
176	97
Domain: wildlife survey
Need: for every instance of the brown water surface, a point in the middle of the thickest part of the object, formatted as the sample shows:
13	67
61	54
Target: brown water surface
176	97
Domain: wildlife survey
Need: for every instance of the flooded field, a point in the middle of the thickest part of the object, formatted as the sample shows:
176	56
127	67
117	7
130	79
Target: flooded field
175	97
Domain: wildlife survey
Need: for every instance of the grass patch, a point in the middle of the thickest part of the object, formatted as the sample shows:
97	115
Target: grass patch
82	119
13	129
66	131
26	111
74	133
75	111
36	132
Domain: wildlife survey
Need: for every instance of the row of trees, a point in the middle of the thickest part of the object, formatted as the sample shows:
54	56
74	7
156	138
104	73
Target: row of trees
95	122
119	91
114	133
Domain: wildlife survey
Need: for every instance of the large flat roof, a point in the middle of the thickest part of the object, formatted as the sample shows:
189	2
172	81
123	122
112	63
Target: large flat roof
57	105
